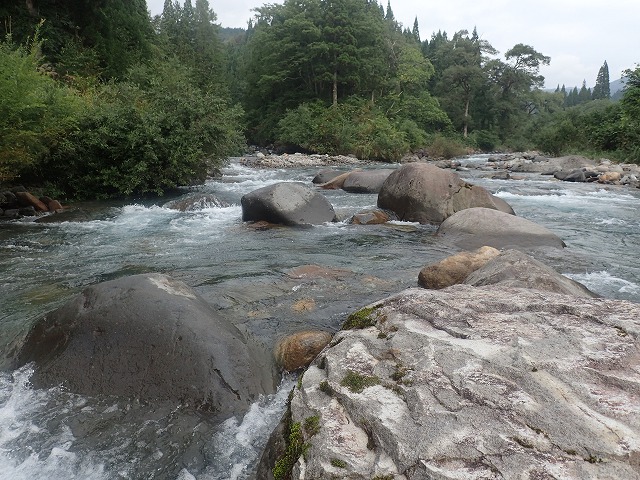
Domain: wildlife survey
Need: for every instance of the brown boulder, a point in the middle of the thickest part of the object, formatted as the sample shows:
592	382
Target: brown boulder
371	217
298	350
455	269
335	183
419	192
25	199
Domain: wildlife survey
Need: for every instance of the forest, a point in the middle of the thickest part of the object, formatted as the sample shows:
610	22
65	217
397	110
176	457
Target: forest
99	100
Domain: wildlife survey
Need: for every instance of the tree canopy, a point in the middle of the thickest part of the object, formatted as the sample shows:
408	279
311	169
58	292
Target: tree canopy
98	99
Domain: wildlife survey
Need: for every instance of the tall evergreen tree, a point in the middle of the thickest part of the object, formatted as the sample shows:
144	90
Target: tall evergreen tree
389	15
415	31
602	88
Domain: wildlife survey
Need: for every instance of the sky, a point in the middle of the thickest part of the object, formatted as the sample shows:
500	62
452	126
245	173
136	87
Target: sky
578	35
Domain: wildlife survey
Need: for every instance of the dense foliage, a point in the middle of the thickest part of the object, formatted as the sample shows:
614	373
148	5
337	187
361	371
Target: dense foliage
121	110
97	99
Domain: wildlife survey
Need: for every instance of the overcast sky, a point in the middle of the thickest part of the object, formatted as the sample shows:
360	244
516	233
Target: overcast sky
578	35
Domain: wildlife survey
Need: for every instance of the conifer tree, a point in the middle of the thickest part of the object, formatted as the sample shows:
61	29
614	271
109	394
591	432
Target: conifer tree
584	95
389	15
416	31
602	88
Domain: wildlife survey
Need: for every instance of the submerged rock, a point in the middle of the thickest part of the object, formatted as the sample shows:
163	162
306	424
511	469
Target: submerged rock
147	337
476	227
472	382
419	192
372	217
194	202
288	203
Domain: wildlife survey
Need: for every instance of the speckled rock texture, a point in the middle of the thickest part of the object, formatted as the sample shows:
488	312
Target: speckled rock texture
476	383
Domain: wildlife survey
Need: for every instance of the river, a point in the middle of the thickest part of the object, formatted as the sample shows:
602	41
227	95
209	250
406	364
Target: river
253	276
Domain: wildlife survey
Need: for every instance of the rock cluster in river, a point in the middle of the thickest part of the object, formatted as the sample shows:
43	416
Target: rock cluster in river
18	202
572	168
296	160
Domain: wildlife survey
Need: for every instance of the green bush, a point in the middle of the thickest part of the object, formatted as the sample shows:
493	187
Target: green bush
445	147
485	140
35	111
154	132
354	127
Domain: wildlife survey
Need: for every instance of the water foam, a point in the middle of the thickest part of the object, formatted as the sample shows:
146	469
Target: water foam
605	283
28	450
237	446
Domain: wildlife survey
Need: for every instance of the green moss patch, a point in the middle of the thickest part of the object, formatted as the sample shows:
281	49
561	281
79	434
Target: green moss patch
356	382
363	318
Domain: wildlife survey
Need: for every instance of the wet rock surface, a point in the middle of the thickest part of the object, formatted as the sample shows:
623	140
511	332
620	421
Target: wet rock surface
147	337
288	203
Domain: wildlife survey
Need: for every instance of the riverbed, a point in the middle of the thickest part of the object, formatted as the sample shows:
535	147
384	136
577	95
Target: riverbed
254	276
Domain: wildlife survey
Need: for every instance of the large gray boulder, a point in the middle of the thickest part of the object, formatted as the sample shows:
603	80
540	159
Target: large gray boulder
288	203
513	268
419	192
475	227
475	383
366	181
147	337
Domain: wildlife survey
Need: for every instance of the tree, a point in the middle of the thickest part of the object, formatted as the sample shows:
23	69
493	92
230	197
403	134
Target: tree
514	81
309	49
415	31
35	111
630	117
462	78
602	88
584	95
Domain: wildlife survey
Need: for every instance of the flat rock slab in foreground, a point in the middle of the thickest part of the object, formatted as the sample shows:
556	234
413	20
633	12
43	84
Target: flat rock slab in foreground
147	337
477	383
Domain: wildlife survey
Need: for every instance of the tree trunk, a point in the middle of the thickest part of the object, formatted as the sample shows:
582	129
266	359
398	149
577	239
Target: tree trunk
335	88
31	8
466	118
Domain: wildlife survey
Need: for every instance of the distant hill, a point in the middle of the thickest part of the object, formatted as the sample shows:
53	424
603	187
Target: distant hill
616	87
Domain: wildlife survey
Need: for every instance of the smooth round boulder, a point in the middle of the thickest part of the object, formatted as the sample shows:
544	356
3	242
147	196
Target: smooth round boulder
298	350
326	175
146	337
287	203
455	268
366	181
513	268
476	227
419	192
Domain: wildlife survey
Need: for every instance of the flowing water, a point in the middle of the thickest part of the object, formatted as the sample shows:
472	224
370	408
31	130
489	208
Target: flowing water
253	275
